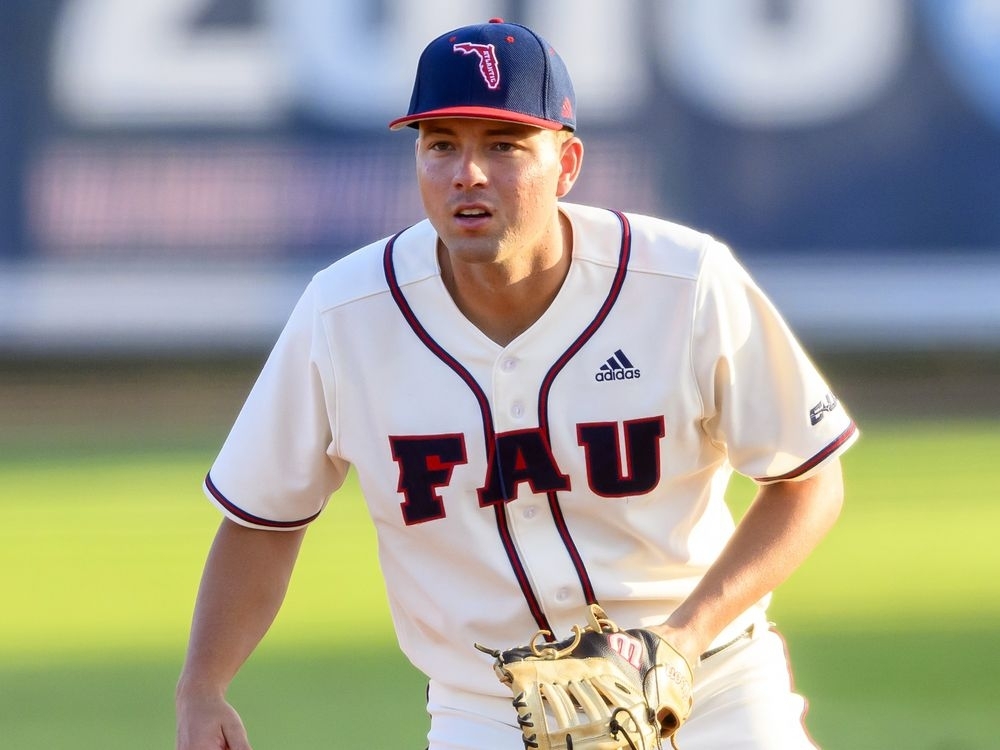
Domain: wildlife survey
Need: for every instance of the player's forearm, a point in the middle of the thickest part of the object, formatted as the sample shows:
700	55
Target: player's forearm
778	532
242	588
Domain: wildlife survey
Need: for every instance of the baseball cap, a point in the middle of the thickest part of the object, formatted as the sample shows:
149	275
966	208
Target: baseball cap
494	71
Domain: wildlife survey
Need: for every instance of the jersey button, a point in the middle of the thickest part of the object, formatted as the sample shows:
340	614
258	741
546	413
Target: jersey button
508	364
562	594
530	512
517	410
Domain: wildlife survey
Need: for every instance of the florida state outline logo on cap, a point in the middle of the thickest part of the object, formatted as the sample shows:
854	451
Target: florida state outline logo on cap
489	66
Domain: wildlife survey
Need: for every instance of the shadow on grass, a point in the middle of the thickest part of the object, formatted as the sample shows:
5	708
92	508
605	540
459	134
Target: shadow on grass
918	689
342	699
926	690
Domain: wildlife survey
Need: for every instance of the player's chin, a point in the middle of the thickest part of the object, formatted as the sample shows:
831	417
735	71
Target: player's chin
472	249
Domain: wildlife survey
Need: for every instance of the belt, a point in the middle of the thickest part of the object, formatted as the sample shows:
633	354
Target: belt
748	633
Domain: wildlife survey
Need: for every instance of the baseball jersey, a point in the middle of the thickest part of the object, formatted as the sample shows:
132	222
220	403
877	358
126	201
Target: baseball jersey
509	486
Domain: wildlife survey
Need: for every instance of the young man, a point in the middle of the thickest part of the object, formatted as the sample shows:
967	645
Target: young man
543	403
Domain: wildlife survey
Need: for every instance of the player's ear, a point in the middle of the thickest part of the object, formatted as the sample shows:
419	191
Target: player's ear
570	161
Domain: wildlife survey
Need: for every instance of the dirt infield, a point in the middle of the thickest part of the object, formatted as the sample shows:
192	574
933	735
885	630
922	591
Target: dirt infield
118	401
939	385
197	399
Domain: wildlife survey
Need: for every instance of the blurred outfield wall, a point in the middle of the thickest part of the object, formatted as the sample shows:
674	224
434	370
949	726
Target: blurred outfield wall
173	171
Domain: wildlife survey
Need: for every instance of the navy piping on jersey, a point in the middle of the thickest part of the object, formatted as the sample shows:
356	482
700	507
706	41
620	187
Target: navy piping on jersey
543	400
249	517
489	431
815	460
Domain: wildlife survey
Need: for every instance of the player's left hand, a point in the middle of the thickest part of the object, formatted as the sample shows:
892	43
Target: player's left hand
600	689
209	724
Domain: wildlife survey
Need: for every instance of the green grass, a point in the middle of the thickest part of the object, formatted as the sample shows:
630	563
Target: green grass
893	624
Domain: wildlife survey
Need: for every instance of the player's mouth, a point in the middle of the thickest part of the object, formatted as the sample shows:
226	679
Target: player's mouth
472	215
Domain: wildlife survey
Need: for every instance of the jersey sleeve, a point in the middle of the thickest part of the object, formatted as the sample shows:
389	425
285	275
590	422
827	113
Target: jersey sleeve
764	399
276	469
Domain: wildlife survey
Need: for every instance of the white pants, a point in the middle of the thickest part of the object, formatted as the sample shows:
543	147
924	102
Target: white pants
743	700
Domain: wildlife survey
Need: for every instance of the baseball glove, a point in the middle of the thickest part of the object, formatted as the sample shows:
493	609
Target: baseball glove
603	688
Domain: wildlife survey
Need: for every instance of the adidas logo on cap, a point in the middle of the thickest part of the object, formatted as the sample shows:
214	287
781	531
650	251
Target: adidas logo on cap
618	367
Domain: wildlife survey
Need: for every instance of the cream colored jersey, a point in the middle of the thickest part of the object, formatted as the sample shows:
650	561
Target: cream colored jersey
511	485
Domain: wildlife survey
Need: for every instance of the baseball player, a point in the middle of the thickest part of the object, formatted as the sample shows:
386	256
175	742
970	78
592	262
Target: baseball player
543	403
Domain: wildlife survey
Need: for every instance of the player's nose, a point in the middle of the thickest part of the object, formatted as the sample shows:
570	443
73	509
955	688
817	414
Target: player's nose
469	172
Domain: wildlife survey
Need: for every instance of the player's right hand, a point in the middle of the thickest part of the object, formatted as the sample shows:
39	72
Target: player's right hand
209	724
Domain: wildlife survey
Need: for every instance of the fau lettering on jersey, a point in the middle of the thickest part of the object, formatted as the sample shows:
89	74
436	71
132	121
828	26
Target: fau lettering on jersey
426	464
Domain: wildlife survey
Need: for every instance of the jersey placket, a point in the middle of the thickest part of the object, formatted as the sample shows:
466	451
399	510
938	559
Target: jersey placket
532	527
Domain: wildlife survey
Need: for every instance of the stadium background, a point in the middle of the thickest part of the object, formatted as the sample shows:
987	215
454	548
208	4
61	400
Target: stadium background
173	171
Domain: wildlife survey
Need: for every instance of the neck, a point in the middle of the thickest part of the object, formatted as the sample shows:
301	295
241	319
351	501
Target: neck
505	299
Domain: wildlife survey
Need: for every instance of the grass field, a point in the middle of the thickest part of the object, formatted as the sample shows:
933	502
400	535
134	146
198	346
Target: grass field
893	624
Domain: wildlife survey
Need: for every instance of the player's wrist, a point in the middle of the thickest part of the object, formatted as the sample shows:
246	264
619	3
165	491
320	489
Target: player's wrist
192	687
681	640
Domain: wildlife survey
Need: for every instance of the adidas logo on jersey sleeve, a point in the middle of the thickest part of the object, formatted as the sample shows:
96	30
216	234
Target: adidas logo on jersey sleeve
618	367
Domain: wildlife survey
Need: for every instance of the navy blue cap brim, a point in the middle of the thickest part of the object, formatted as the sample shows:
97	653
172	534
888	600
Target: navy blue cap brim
476	113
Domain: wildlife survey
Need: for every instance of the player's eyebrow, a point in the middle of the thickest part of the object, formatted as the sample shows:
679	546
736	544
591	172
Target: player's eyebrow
511	130
429	129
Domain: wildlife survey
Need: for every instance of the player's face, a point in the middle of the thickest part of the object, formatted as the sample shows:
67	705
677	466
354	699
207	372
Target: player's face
490	188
